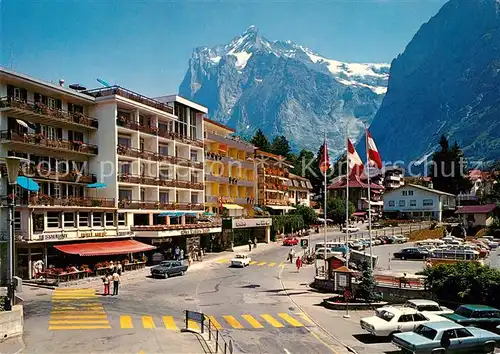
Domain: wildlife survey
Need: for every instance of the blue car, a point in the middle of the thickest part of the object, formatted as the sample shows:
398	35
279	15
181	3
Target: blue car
446	337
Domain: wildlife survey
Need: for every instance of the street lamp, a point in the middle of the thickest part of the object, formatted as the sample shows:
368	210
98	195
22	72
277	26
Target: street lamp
12	163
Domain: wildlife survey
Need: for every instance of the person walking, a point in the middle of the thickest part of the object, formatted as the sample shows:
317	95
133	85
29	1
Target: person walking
119	268
182	254
177	253
290	255
249	245
190	259
116	282
298	263
105	282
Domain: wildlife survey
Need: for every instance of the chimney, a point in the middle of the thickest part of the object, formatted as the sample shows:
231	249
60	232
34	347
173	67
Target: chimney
61	82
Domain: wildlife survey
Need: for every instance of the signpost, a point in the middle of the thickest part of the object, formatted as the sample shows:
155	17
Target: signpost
304	243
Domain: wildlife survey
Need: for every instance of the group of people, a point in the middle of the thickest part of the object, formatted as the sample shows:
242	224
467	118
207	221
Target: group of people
195	254
112	276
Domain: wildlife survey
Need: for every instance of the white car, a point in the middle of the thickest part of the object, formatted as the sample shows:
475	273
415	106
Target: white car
400	239
391	320
350	229
241	260
320	253
423	306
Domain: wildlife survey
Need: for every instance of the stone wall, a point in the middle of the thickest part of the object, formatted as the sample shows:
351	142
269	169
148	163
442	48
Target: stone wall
11	323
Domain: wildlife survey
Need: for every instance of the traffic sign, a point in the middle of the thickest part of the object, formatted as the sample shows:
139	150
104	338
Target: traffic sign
304	243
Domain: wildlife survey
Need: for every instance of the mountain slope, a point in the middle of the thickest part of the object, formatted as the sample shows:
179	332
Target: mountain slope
284	88
447	81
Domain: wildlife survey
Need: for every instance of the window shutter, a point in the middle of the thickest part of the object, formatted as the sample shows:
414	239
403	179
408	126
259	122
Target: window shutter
10	91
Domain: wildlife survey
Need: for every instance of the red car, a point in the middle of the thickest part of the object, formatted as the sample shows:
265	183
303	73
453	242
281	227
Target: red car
290	241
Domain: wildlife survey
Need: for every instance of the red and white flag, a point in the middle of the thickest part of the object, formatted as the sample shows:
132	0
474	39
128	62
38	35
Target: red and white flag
354	161
373	154
324	162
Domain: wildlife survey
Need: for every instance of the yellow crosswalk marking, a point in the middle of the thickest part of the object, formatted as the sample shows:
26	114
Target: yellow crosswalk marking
304	317
169	322
65	316
282	264
261	263
193	325
223	260
233	321
253	262
52	328
270	319
126	321
271	264
87	322
253	322
214	322
290	320
76	313
147	322
77	308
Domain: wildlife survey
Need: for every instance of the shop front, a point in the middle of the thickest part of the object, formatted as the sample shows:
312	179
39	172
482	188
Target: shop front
237	232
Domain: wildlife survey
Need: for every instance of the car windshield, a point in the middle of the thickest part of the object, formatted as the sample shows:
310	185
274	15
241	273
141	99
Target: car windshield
165	264
240	256
428	308
426	332
464	311
385	315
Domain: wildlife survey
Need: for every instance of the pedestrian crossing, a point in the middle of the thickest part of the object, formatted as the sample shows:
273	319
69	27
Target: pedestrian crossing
77	309
264	264
244	321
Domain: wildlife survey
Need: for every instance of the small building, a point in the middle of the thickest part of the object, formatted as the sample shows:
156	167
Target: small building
413	200
478	215
300	189
393	177
358	193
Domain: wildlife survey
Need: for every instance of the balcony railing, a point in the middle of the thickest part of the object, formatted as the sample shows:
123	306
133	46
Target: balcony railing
230	141
228	160
276	202
153	156
45	200
120	91
153	181
39	140
176	226
229	200
214	178
42	173
157	205
41	111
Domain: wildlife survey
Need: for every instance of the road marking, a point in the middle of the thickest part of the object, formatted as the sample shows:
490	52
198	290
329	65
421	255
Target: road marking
76	313
147	322
261	263
322	341
305	317
78	322
253	262
96	317
169	322
214	322
253	322
126	321
271	264
282	264
222	260
270	319
51	328
82	307
233	321
290	320
193	325
286	351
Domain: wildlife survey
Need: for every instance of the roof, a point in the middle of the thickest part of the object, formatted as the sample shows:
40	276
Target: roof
423	302
441	325
401	310
479	307
340	183
476	209
430	190
220	125
182	100
268	154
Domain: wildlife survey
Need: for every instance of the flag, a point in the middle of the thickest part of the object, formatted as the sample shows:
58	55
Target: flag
373	154
324	162
353	160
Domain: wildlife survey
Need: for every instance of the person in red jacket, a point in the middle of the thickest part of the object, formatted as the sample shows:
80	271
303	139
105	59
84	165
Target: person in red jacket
298	263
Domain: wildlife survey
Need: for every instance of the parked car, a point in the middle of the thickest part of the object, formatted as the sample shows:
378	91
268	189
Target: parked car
412	253
356	245
427	306
400	239
290	241
391	320
168	268
446	337
240	260
481	316
320	253
377	225
350	229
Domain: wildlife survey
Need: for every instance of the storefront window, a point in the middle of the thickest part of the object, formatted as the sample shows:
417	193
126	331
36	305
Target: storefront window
110	219
122	221
53	220
97	219
69	219
83	219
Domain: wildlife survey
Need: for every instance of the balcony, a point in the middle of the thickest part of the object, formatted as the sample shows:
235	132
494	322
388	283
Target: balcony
120	91
153	156
41	200
228	160
209	177
40	113
230	141
176	226
70	176
275	172
157	205
276	202
38	141
231	200
153	181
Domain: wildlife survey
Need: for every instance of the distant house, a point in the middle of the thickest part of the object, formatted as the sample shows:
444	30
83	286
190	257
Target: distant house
478	215
413	200
482	185
299	190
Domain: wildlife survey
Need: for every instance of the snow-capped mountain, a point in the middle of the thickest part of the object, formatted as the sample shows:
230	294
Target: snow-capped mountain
284	88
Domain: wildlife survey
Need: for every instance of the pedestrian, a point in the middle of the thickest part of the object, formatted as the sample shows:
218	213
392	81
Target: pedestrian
255	242
182	254
249	245
200	254
105	282
298	263
290	255
116	282
190	260
110	281
119	268
111	267
177	252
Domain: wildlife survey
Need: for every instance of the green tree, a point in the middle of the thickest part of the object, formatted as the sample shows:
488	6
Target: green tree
335	209
301	162
280	146
260	141
308	214
366	287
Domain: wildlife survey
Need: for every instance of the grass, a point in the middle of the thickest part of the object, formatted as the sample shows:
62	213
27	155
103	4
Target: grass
425	234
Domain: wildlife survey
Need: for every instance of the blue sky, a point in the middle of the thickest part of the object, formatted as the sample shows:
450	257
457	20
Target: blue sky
145	45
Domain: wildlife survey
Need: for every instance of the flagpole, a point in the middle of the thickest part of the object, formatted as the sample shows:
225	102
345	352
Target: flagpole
369	200
347	197
325	156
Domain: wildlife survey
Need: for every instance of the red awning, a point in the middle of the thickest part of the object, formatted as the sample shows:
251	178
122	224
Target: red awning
105	248
359	213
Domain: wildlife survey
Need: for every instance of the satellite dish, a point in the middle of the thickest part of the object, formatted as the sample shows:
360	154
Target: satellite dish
77	87
104	83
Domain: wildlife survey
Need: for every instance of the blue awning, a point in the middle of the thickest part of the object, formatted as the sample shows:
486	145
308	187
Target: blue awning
28	184
207	213
171	214
96	185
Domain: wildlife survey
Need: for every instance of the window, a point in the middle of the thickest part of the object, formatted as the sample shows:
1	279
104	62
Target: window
124	167
405	318
125	141
194	198
110	219
38	222
56	192
194	155
426	332
163	149
464	311
17	93
51	132
69	219
122	221
75	108
404	192
462	333
83	219
17	221
385	315
410	192
75	136
164	197
53	220
413	203
450	333
97	219
428	202
402	203
125	194
418	317
392	203
164	173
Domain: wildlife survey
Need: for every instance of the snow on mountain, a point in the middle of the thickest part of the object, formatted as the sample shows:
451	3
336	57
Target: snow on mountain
284	88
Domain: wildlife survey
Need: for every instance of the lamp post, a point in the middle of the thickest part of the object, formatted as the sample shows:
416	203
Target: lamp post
12	164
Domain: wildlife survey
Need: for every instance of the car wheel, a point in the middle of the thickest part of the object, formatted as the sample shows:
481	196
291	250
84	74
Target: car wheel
403	258
489	348
183	272
165	275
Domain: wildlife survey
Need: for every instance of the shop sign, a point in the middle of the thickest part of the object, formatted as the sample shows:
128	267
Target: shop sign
195	231
93	234
244	223
52	236
126	233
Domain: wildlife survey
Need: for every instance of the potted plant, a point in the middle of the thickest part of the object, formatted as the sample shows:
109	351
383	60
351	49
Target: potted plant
122	149
122	120
39	137
96	202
